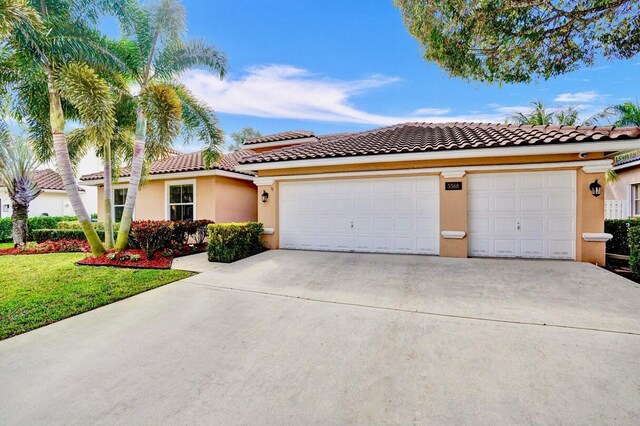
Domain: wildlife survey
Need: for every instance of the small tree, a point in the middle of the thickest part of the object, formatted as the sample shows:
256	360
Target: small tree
241	136
17	164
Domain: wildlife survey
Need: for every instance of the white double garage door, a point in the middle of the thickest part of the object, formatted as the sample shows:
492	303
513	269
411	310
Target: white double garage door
529	214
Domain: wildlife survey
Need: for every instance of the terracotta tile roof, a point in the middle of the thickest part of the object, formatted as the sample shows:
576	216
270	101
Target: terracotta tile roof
49	179
425	137
189	162
284	136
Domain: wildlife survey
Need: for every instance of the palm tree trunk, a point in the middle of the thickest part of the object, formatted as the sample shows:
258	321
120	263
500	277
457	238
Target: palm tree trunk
63	161
19	219
134	181
108	198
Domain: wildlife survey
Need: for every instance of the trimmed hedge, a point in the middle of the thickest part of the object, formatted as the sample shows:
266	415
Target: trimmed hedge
34	223
42	235
619	228
634	252
229	242
75	224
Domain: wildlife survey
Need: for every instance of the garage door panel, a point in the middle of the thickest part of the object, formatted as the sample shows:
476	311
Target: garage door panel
396	215
540	224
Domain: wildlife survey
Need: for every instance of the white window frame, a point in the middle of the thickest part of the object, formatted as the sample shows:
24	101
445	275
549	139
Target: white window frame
113	198
167	205
635	192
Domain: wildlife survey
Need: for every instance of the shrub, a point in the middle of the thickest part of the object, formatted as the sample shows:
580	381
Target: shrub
180	231
151	235
99	226
34	223
634	250
229	242
42	235
619	228
200	229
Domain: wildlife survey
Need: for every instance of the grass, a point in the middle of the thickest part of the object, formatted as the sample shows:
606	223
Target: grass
6	245
36	290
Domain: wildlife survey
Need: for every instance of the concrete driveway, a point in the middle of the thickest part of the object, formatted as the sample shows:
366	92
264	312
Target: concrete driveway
324	338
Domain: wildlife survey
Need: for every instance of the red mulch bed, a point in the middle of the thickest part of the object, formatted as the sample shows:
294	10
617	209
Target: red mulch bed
123	260
62	246
161	259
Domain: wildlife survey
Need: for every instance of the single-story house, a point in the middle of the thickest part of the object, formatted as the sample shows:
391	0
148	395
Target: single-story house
181	188
454	189
623	195
52	201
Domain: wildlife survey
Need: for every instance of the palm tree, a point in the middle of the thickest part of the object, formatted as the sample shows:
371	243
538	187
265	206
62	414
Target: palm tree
541	116
17	164
621	115
157	31
16	13
51	72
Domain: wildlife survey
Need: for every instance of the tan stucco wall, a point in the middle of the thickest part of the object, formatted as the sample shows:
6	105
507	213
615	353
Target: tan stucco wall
268	214
453	217
236	200
218	198
589	218
618	190
453	204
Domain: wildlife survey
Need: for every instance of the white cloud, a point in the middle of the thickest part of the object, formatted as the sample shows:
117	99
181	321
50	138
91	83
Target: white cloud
432	111
288	92
589	96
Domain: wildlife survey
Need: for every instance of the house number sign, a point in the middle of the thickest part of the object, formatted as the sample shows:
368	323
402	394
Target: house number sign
453	186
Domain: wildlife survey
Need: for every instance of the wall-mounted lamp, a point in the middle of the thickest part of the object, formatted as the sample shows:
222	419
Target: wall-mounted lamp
595	188
265	196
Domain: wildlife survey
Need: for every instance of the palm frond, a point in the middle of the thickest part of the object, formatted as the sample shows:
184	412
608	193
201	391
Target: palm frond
175	59
91	96
15	14
163	109
17	165
168	19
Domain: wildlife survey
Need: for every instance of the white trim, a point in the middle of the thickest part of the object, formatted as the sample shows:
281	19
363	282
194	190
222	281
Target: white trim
113	197
595	168
597	237
561	148
453	174
181	175
263	181
279	143
167	184
455	235
268	231
434	170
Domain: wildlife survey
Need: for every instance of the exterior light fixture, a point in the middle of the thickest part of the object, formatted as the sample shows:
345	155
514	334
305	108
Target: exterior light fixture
265	196
595	188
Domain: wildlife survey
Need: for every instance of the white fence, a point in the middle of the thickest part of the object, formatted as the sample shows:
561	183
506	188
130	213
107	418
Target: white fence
614	209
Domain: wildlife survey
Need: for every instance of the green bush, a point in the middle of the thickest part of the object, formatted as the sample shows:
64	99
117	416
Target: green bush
42	235
99	226
151	235
34	223
229	242
634	250
619	228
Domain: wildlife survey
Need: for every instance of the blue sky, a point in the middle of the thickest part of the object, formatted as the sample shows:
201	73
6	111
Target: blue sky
343	65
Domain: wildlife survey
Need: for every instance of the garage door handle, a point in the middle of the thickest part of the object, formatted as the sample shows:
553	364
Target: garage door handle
351	224
518	225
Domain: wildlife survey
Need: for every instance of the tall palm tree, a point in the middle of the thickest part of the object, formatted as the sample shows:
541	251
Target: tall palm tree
621	115
17	165
157	31
50	70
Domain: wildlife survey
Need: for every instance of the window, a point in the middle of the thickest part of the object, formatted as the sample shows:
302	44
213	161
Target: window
635	199
181	205
119	197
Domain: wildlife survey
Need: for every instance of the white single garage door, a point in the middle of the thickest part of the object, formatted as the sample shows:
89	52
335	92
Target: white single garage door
387	215
529	214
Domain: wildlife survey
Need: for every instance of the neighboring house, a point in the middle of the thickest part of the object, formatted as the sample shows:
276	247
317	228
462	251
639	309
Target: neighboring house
623	196
181	188
455	189
52	201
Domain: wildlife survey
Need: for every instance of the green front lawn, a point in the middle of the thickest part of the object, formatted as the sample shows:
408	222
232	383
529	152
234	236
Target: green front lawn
37	290
6	245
